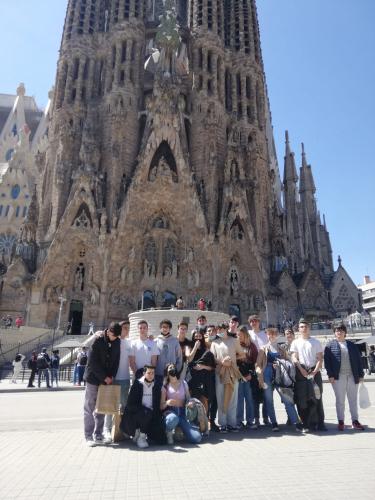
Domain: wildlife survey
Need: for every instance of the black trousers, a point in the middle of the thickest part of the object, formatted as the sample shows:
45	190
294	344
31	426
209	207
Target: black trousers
32	378
309	408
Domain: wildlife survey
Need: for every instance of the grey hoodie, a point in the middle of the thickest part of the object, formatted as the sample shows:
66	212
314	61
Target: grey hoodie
169	352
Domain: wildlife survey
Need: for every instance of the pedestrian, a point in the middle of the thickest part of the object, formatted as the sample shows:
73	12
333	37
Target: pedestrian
169	350
43	363
19	321
33	366
307	355
142	417
226	350
122	377
174	396
82	359
144	351
55	366
101	368
343	363
266	360
17	367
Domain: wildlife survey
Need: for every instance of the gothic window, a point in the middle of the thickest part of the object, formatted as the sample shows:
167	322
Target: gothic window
218	12
15	191
151	251
236	231
24	212
123	51
228	90
6	243
17	211
209	14
163	164
237	43
246	26
169	252
227	22
83	218
160	222
148	299
75	68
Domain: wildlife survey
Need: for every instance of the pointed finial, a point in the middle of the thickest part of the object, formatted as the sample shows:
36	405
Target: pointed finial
304	163
21	91
339	260
286	137
287	147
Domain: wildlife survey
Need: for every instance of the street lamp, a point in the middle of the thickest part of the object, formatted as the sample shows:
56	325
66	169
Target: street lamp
62	300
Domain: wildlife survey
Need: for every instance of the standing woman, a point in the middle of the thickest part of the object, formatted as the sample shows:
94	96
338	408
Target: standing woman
201	363
267	357
343	363
174	396
247	370
17	367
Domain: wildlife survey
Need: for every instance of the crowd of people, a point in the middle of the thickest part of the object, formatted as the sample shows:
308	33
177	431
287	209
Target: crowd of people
223	378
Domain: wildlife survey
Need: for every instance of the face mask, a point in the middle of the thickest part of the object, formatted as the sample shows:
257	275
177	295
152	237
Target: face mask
211	337
221	335
172	373
165	334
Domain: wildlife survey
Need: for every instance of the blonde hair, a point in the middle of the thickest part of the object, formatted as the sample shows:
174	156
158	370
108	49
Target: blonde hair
243	329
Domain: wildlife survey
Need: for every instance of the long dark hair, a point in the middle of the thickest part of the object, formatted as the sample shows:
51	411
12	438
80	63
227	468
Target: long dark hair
202	340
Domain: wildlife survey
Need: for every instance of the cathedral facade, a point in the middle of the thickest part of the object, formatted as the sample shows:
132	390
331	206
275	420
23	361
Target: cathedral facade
160	178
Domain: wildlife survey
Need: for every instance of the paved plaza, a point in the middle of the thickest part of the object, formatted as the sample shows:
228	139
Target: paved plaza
44	457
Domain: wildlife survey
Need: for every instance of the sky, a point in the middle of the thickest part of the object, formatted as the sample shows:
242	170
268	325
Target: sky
320	70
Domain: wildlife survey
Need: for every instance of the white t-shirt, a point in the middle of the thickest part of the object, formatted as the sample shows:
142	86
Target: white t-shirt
123	367
142	350
307	350
147	393
260	339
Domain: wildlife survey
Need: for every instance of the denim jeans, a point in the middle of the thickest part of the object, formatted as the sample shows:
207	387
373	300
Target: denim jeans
42	371
125	385
245	396
268	398
93	422
54	375
177	418
81	371
228	418
75	374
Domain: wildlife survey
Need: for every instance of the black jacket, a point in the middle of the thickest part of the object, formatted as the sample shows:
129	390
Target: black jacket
134	406
332	360
103	360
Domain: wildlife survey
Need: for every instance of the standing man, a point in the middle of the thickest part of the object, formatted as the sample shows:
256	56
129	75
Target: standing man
226	350
260	339
202	323
101	368
307	355
169	350
43	363
144	351
32	365
122	377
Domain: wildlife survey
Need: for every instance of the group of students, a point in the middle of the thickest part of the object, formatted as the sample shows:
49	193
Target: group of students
218	380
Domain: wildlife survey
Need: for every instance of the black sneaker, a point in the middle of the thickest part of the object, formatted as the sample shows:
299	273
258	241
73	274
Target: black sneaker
233	429
321	428
275	427
223	429
214	427
299	427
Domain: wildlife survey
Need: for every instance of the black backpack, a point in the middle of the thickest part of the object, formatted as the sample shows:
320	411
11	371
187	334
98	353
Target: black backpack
83	359
41	362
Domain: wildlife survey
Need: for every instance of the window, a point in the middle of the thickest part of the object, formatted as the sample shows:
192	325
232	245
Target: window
17	211
24	212
7	210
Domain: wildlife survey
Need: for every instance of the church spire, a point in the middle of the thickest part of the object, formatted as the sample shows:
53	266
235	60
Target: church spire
290	171
306	177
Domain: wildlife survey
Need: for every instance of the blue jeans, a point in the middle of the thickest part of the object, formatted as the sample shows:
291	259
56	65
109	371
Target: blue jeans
75	374
54	375
45	372
245	395
177	417
268	398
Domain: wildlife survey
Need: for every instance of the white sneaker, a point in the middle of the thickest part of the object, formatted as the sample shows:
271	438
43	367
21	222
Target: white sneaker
136	435
107	438
90	443
170	437
142	441
99	440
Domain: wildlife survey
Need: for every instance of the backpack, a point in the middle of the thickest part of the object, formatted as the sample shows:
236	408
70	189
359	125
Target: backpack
83	359
285	373
41	362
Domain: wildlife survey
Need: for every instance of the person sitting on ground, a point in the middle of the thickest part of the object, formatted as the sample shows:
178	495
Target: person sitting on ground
201	363
343	363
43	364
142	417
55	365
267	357
247	370
101	368
17	367
174	396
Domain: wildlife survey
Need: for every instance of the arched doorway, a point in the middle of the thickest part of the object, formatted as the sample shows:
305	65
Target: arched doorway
75	317
169	299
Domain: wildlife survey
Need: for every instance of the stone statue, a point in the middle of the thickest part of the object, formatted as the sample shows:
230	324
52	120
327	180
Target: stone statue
79	278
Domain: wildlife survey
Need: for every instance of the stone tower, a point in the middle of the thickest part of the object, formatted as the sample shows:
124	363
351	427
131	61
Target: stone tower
160	178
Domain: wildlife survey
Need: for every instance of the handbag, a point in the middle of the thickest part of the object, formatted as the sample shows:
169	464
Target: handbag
108	399
364	399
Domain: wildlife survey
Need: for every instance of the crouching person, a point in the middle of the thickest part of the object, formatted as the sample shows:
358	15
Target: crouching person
142	417
174	395
101	367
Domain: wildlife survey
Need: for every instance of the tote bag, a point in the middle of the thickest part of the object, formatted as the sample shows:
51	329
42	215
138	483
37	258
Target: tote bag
364	400
108	399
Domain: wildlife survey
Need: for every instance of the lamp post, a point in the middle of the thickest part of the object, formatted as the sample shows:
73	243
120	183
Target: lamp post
62	300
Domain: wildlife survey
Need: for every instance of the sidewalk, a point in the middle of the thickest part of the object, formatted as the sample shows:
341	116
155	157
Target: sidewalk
7	387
